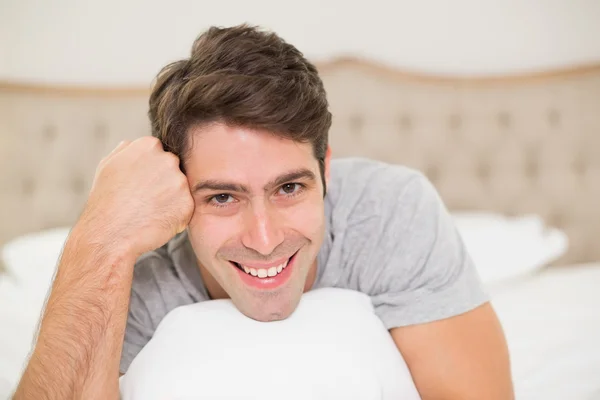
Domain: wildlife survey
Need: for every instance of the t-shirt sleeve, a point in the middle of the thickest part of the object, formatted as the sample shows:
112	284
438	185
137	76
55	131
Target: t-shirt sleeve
138	332
420	268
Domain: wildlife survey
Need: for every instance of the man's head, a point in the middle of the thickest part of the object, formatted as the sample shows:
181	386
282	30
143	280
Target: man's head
248	116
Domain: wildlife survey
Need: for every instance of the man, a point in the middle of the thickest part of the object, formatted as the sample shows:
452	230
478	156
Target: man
236	197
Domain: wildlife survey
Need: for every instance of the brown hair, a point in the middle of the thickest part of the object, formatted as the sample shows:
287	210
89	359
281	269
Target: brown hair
241	76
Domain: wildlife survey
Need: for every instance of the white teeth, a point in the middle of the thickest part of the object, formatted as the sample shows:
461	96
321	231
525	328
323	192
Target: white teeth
263	273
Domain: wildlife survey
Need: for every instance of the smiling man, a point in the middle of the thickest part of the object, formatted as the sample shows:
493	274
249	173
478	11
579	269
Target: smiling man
236	196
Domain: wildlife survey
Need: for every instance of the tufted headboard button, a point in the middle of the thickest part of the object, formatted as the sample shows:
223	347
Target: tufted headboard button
484	171
27	187
405	123
504	120
49	133
557	219
532	166
78	185
356	124
454	122
579	165
100	132
433	173
553	118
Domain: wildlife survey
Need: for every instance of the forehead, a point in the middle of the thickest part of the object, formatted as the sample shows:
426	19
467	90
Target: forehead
241	154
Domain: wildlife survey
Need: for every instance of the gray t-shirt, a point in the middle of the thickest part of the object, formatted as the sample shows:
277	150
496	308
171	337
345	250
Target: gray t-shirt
388	235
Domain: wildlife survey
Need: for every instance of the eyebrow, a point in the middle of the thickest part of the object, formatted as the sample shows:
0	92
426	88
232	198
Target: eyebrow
225	186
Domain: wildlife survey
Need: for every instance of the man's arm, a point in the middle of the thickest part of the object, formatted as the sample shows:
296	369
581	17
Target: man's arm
139	200
462	357
81	336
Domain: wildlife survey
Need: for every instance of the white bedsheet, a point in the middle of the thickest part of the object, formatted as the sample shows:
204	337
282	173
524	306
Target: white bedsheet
552	324
551	320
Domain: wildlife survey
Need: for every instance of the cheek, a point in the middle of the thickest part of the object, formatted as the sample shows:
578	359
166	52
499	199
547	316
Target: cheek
209	233
307	219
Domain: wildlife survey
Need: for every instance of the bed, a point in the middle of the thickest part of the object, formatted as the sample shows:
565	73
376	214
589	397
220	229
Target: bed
509	146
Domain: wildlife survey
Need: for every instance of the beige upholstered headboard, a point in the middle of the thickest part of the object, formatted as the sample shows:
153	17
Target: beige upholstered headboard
527	144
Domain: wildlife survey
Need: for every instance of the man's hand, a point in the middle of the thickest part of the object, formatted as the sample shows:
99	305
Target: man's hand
138	201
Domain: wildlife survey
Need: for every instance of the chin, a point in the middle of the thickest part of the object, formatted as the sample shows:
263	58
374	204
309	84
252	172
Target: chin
276	316
262	311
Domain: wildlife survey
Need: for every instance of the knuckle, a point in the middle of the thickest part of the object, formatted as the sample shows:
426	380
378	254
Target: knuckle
183	182
190	204
189	200
102	165
172	160
150	142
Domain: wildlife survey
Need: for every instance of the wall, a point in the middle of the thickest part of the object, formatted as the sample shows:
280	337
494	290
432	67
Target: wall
116	42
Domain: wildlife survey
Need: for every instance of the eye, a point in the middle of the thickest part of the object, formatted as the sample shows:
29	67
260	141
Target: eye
222	198
290	188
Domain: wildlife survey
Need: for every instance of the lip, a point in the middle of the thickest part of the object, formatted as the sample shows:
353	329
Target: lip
269	283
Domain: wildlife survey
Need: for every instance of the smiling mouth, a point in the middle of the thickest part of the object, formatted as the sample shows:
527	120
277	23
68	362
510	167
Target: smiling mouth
264	272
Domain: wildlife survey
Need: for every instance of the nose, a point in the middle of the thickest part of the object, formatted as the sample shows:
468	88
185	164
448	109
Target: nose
262	231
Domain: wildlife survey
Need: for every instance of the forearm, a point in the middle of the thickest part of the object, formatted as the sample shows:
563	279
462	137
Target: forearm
81	335
462	357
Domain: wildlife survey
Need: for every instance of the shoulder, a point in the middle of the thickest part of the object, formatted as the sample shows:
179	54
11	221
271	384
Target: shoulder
368	188
400	246
377	214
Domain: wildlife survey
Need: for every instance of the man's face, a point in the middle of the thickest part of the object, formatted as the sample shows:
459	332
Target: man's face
259	219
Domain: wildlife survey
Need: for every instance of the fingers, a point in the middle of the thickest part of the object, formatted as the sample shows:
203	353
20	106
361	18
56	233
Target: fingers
189	207
121	146
182	226
144	142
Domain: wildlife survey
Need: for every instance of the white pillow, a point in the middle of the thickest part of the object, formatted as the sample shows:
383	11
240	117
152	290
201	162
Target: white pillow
332	347
18	325
32	259
505	248
6	389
